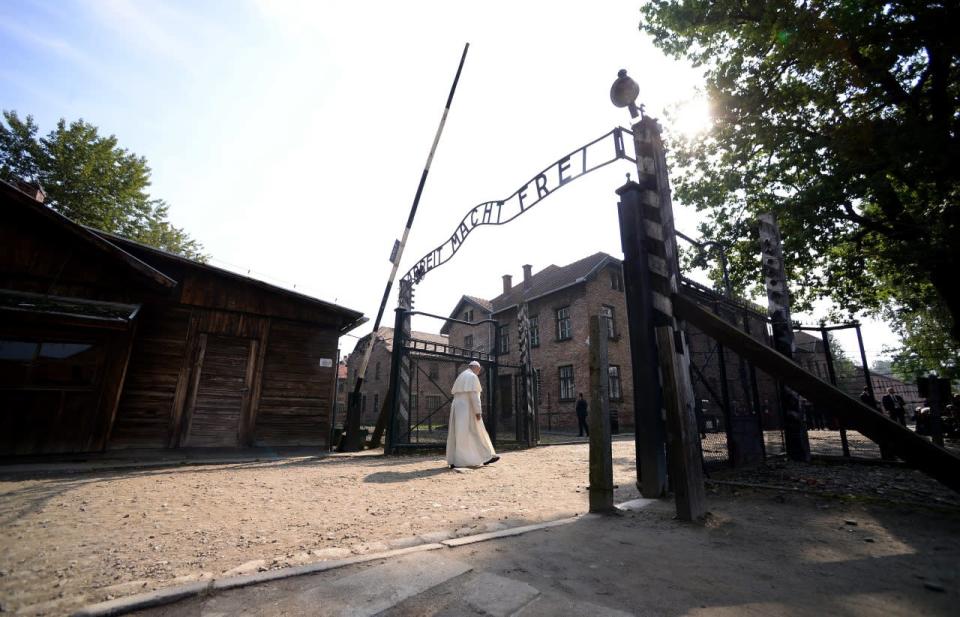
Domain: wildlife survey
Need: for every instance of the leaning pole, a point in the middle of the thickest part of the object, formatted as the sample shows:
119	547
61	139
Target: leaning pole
352	440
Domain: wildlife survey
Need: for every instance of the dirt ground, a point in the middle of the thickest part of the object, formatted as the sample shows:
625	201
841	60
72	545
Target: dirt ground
758	554
71	539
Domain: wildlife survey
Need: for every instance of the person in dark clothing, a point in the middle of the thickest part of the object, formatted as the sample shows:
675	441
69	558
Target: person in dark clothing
894	406
582	416
867	399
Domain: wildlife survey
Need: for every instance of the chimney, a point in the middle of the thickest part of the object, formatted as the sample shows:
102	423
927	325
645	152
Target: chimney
507	283
32	189
527	275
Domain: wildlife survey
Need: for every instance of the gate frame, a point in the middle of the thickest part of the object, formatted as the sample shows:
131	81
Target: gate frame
437	350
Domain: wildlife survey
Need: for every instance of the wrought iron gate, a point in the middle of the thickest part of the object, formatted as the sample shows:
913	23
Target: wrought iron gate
422	374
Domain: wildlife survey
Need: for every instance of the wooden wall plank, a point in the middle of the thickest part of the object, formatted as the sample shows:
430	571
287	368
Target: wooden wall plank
296	392
148	401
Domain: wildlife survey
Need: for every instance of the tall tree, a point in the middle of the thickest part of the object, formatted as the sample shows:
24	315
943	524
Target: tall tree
841	117
91	180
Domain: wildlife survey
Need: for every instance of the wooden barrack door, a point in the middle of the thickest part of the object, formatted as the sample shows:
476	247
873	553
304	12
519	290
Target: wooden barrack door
220	398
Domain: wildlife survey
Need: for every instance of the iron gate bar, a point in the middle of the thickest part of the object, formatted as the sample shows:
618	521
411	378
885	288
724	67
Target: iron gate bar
443	394
440	354
689	285
427	349
844	326
431	347
709	353
709	388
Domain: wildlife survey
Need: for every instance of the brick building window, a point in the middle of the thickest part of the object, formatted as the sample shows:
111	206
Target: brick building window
537	382
414	400
433	370
468	315
376	373
535	331
567	387
376	402
613	382
433	402
616	280
563	323
607	312
504	346
468	341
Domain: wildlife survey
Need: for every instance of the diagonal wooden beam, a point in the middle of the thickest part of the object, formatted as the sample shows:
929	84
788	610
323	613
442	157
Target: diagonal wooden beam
931	459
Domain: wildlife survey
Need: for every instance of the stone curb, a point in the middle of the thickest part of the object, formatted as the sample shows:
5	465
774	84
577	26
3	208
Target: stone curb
234	582
505	533
143	600
169	595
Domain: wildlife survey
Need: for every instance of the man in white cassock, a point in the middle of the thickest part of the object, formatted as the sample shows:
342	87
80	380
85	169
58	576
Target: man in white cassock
468	444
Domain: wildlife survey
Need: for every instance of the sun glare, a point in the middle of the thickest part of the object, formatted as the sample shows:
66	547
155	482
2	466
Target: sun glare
691	116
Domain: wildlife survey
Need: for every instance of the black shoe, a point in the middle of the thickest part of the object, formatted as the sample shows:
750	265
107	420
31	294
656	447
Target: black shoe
493	460
452	467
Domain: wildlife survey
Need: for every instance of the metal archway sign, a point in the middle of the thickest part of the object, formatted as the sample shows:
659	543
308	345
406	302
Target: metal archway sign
598	153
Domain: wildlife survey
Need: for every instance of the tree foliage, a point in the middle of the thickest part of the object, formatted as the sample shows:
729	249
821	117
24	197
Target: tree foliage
91	180
841	117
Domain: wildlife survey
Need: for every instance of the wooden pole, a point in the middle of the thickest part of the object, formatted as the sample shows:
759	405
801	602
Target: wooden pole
778	307
650	431
601	453
660	244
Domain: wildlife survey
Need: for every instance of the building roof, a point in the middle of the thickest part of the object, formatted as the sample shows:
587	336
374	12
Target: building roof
14	197
142	259
352	318
480	303
484	304
552	279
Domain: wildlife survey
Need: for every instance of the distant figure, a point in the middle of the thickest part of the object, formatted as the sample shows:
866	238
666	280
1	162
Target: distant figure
924	418
867	399
468	444
582	416
894	406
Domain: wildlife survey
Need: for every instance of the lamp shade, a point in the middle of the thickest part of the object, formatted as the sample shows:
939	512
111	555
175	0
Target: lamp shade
624	90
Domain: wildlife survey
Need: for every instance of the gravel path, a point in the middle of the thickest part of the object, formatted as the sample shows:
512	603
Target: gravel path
69	540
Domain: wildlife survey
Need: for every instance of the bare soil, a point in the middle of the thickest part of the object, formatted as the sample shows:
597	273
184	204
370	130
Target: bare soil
70	540
759	553
67	540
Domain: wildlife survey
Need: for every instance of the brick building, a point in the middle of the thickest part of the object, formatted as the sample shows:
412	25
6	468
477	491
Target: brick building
432	378
479	337
560	301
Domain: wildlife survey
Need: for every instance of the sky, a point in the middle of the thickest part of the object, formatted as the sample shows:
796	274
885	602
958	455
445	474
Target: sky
289	136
